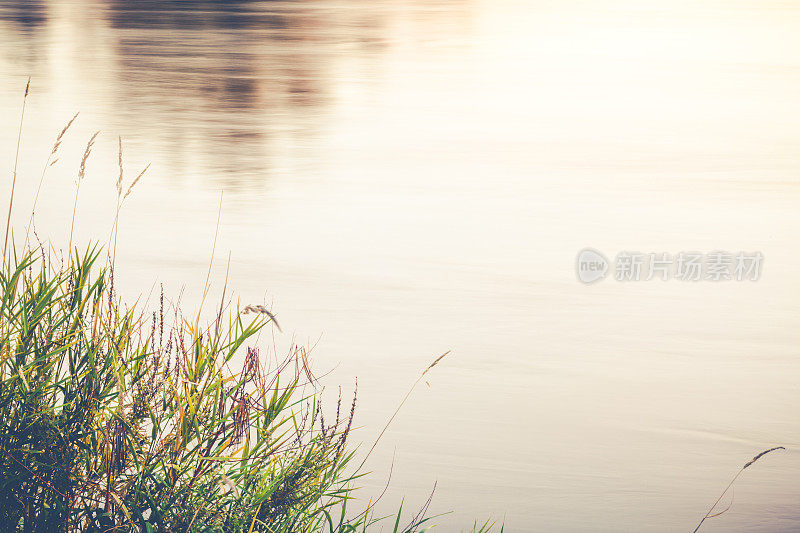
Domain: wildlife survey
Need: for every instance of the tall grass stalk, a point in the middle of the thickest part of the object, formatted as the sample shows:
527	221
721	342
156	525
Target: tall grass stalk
16	161
402	403
81	175
120	200
52	157
747	464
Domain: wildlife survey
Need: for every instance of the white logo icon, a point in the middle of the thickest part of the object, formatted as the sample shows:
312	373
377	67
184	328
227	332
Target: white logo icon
591	265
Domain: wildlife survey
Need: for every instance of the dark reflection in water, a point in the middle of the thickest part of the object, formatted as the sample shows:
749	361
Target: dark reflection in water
216	85
20	22
226	14
27	14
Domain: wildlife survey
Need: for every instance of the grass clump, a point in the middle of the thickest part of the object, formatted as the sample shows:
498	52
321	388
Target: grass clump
118	419
109	421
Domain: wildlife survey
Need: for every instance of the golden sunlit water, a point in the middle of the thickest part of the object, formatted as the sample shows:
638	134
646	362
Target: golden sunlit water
406	177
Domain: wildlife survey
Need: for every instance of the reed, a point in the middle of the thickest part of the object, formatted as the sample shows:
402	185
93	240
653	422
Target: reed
103	425
16	161
52	158
117	418
81	175
402	403
747	464
120	201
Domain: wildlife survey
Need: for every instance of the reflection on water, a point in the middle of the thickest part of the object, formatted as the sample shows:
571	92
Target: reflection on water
235	80
406	177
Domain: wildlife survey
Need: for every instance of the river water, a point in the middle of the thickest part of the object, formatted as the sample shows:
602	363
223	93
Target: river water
403	177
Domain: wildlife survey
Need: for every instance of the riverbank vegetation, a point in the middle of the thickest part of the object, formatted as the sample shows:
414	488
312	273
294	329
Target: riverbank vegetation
119	417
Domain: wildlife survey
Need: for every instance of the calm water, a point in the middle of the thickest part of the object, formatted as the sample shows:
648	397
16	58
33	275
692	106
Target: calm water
406	177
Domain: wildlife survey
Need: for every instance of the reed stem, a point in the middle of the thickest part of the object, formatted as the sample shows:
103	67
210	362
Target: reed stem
16	160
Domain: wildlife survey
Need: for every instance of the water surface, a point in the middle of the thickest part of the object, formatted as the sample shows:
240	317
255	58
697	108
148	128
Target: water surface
403	178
